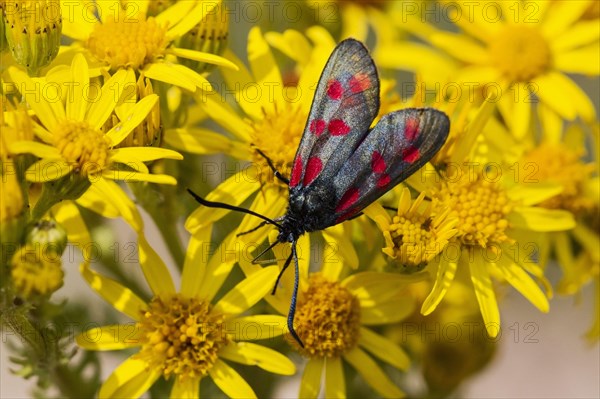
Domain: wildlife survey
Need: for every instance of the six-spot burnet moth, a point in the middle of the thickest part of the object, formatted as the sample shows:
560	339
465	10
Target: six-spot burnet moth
342	165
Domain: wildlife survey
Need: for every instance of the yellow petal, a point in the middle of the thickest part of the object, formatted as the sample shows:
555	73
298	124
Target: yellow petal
354	22
248	292
484	291
137	114
291	43
379	215
204	141
180	18
244	86
582	60
130	380
460	47
531	194
144	154
224	115
113	194
580	34
229	381
335	383
165	72
384	349
564	96
186	388
521	281
156	272
372	288
108	338
443	280
49	112
79	83
95	201
202	57
372	373
391	311
130	175
338	241
40	150
263	67
541	219
311	378
561	16
194	265
120	297
250	328
257	355
108	98
218	267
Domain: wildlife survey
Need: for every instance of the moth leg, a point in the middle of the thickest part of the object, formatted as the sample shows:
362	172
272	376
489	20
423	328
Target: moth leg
292	311
275	171
252	229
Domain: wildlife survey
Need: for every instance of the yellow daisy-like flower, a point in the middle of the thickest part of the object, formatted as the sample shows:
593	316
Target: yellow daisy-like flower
123	37
76	152
183	335
561	160
524	49
490	214
332	319
417	233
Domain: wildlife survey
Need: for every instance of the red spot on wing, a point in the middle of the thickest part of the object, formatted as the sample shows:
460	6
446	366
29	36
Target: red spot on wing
296	172
338	127
334	89
383	181
359	82
348	199
377	162
411	129
313	168
411	154
317	126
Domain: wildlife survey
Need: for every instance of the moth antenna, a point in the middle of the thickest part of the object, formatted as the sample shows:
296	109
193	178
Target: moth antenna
222	205
275	171
390	208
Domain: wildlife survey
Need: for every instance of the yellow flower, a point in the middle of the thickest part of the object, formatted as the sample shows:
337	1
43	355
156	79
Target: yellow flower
494	205
124	38
184	335
77	153
333	317
560	160
525	49
417	233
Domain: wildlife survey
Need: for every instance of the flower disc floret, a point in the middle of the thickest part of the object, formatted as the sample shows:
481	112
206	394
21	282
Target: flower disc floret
128	44
181	337
82	145
520	52
327	319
